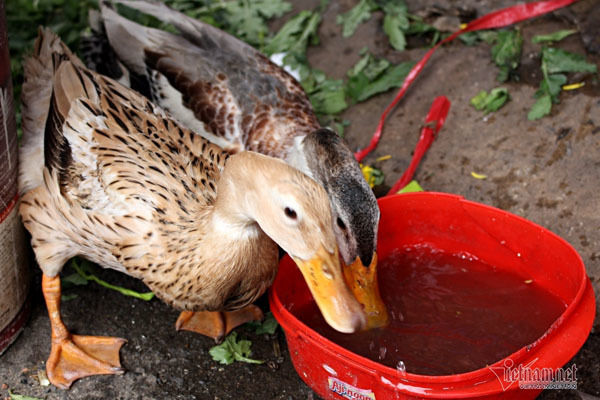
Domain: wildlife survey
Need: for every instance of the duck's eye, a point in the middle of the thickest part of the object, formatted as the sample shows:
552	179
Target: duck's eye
341	224
290	213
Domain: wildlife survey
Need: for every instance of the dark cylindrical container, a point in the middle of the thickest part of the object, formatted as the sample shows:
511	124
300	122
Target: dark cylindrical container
14	265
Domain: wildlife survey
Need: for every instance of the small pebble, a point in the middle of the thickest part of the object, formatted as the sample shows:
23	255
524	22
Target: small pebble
273	365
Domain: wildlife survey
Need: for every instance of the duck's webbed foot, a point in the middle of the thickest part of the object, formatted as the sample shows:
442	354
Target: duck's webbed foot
216	324
75	356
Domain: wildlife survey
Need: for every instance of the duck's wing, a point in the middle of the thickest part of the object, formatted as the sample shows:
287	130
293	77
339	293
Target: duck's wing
117	171
206	75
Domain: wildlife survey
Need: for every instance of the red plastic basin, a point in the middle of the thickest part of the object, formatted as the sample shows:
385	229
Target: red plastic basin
452	224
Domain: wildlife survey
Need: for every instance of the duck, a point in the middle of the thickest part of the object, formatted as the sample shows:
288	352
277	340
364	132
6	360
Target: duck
231	94
107	175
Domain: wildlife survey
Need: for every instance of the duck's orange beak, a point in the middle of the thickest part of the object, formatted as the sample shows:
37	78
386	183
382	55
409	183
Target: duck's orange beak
362	282
325	279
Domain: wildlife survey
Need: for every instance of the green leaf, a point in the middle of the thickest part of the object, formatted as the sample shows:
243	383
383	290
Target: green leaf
74	279
233	350
542	107
412	186
329	98
268	326
552	85
558	60
490	102
294	36
247	19
395	23
90	277
14	396
68	297
506	54
357	15
360	87
392	28
373	176
553	37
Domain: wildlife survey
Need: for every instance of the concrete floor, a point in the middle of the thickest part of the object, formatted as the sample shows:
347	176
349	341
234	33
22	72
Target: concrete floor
546	171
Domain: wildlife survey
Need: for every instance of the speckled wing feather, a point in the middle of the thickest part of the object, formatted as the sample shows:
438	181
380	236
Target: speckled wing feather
241	96
107	141
124	184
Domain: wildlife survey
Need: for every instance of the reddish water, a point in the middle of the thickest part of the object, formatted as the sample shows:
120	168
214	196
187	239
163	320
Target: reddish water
449	314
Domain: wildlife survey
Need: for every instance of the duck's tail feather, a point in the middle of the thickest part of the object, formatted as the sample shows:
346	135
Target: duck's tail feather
200	33
39	69
98	55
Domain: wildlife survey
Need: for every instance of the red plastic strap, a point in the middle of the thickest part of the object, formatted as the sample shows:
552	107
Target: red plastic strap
496	19
433	123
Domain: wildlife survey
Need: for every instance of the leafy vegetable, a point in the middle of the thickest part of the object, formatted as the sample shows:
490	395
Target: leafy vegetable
90	277
372	175
395	23
68	297
268	326
357	15
558	60
554	62
326	95
506	54
370	76
233	350
14	396
553	37
540	108
295	35
412	186
474	37
492	101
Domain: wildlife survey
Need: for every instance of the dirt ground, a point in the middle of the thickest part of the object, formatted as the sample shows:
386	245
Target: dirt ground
546	171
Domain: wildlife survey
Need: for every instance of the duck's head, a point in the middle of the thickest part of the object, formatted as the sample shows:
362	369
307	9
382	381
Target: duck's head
293	210
353	204
355	216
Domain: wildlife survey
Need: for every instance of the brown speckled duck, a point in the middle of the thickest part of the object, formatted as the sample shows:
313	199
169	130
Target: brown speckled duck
107	175
234	96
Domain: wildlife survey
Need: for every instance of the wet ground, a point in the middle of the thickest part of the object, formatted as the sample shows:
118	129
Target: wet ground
546	171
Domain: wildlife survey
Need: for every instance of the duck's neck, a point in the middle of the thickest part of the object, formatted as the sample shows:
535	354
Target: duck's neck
296	156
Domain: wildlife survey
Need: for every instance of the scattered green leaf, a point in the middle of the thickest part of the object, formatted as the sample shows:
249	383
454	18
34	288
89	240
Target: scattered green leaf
373	176
370	76
558	60
542	107
554	62
15	396
412	186
296	34
506	53
233	350
90	277
474	37
357	15
553	37
328	96
68	297
395	22
492	101
74	279
267	326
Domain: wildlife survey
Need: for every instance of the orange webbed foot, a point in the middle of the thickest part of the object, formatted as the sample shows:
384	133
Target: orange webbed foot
216	324
80	356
